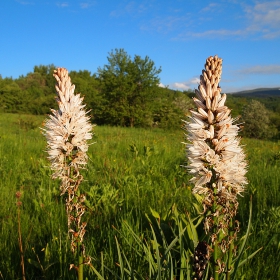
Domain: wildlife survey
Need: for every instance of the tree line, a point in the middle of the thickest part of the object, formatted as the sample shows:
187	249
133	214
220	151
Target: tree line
126	92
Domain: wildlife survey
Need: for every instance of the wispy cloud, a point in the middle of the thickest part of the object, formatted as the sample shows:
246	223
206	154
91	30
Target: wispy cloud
25	2
261	69
216	20
167	24
62	4
258	21
131	8
264	19
210	7
265	14
187	20
214	33
87	4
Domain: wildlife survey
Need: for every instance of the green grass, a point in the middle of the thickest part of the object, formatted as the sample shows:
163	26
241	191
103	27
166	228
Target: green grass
130	171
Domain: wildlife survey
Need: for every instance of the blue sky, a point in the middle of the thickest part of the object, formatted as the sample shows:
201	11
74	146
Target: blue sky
178	35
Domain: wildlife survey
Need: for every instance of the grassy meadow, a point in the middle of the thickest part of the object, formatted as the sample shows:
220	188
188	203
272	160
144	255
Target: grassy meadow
134	178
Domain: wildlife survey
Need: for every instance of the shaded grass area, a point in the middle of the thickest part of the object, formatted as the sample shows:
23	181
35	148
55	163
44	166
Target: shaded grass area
130	172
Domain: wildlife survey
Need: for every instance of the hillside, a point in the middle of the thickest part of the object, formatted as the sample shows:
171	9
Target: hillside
258	93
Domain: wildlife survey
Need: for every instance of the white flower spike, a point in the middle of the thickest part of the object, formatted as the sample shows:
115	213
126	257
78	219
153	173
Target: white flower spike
210	128
67	131
215	158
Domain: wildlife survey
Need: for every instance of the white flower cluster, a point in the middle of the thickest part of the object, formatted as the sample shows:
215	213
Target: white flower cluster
68	129
215	156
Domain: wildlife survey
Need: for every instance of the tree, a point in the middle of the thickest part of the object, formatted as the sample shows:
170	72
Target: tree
169	107
126	86
11	99
256	120
87	84
37	90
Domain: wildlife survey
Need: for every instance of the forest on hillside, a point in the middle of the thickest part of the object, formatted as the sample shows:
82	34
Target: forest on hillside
126	92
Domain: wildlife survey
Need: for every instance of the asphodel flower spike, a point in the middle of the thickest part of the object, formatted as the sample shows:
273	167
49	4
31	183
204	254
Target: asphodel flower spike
215	158
68	131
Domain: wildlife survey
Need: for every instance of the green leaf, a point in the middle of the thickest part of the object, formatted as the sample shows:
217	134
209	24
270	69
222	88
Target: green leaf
250	257
192	233
96	272
120	259
237	260
155	214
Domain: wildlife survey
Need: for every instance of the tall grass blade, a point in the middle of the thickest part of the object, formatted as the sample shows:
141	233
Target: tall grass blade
237	260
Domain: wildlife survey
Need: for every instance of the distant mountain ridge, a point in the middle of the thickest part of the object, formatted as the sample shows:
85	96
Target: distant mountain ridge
258	92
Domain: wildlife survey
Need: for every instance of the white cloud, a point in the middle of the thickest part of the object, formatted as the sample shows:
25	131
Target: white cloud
271	35
264	18
209	8
86	4
62	4
211	34
260	21
257	20
166	24
182	86
261	69
131	8
267	13
188	85
195	81
24	2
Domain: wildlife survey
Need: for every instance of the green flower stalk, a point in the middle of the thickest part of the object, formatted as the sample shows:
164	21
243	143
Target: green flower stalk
218	165
68	131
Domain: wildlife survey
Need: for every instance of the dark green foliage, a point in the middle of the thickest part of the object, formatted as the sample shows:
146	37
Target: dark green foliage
256	121
32	94
236	104
10	97
169	107
127	86
265	115
88	86
125	92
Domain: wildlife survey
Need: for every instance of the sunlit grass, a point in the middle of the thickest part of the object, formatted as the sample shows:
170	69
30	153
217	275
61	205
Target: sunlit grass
129	172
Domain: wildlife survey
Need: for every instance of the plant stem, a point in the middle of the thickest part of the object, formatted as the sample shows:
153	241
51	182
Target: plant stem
215	264
230	253
81	263
20	245
216	245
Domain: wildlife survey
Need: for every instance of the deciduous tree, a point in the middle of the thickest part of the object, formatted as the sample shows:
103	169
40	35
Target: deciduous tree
127	85
256	120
